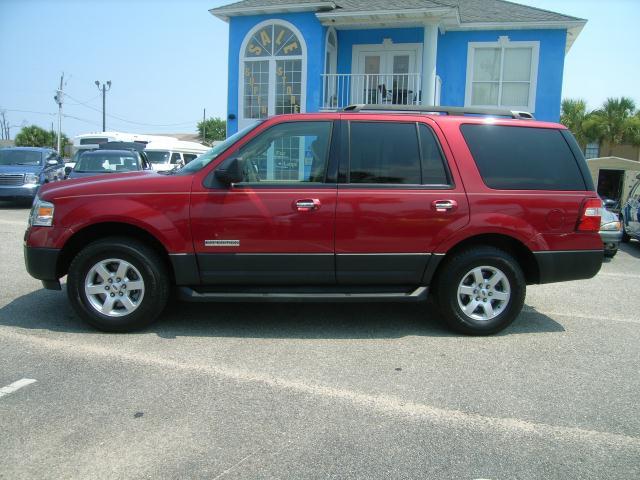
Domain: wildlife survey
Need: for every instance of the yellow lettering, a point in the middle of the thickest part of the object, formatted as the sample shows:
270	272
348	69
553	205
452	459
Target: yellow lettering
247	72
289	91
255	49
279	71
264	36
280	37
291	47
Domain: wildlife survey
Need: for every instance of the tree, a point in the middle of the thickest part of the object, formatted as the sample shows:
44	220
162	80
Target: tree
213	129
573	116
34	136
616	122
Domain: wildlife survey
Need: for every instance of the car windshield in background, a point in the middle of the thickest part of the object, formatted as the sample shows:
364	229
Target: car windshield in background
107	162
206	158
158	156
20	157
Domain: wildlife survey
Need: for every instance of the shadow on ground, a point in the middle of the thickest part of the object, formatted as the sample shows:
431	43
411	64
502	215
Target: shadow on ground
632	248
15	204
50	310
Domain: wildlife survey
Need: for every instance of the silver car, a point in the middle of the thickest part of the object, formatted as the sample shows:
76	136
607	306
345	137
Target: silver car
610	232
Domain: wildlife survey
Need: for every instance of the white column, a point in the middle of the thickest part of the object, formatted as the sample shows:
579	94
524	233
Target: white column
429	55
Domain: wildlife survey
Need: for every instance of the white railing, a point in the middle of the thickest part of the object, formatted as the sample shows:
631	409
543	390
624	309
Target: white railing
342	89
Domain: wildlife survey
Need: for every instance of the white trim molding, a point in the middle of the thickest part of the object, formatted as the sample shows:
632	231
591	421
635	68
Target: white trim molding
242	58
225	12
503	44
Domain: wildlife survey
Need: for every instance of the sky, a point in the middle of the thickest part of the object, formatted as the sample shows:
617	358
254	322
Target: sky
167	60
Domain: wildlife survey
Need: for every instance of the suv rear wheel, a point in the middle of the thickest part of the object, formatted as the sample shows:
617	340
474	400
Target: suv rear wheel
480	291
118	284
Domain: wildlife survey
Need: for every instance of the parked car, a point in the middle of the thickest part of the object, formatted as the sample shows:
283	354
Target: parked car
168	154
630	214
24	169
610	232
378	205
101	162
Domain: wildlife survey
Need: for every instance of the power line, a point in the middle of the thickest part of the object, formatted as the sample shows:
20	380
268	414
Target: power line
132	121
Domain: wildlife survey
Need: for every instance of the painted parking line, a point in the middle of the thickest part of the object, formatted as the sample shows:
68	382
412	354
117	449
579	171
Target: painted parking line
9	389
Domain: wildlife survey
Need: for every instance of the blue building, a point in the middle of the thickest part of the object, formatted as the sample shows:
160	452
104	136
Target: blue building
290	56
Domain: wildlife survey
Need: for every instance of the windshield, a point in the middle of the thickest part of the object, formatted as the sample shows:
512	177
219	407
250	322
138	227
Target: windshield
107	162
158	156
206	158
79	153
20	157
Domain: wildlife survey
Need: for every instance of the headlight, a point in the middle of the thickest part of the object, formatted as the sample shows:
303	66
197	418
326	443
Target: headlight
31	178
41	213
611	226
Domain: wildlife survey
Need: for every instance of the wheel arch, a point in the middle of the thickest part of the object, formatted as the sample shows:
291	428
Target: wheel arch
97	231
523	255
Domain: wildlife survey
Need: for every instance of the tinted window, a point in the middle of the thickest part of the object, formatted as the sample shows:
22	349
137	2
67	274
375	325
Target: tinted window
523	158
189	156
93	141
384	152
107	162
433	169
175	158
289	152
157	156
20	157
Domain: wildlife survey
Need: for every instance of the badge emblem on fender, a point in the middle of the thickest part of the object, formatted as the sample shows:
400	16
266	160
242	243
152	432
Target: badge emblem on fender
222	243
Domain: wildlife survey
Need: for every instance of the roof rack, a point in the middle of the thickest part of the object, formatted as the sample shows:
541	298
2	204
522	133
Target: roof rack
494	112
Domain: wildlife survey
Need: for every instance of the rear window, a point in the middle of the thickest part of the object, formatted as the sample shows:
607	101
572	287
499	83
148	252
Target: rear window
523	158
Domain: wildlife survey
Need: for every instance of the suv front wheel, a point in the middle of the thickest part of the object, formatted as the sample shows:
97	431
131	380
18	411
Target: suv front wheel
480	291
118	284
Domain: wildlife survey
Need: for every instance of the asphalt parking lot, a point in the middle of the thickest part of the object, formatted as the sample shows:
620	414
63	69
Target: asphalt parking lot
229	391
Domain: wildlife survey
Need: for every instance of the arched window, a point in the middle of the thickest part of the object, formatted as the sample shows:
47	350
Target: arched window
273	71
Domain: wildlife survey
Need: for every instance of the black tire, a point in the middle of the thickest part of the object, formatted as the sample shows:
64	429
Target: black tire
610	253
147	262
455	270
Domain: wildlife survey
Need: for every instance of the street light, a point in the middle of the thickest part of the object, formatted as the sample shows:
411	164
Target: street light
105	88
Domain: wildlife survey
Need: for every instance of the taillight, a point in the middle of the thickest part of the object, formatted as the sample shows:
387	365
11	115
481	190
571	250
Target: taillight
590	216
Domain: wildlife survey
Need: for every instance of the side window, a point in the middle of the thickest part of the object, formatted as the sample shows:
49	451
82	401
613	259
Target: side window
523	158
289	152
433	169
384	152
175	158
188	157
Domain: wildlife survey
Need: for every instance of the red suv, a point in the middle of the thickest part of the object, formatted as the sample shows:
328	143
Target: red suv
359	205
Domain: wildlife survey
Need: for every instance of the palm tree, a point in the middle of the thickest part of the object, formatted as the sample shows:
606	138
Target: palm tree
573	116
616	122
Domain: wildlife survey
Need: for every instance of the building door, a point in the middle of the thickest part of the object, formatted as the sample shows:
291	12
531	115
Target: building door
387	74
272	72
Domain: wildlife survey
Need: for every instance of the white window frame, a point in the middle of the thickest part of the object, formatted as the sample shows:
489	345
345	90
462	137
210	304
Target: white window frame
503	43
242	122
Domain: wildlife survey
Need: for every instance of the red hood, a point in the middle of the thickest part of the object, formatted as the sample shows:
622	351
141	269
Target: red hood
119	183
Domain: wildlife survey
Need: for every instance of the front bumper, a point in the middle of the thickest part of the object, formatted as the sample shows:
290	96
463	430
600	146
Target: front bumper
22	191
42	264
562	266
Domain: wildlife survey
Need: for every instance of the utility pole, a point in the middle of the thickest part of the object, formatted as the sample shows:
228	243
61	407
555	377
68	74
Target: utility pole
204	126
105	88
59	98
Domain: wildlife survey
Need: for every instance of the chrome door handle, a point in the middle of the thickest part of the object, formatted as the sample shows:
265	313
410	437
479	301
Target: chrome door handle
444	205
307	204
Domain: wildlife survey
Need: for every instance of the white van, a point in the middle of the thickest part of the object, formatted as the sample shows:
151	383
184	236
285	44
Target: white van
166	154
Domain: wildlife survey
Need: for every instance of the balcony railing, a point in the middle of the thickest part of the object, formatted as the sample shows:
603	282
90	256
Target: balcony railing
341	89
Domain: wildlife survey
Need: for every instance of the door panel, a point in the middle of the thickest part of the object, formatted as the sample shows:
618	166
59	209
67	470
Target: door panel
385	232
277	225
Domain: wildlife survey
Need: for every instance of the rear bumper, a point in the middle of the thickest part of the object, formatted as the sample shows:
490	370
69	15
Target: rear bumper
611	237
562	266
42	265
21	191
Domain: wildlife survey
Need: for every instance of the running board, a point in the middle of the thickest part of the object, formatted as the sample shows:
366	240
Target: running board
190	295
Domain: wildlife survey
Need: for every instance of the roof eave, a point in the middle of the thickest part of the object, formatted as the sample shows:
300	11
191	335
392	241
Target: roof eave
573	27
224	13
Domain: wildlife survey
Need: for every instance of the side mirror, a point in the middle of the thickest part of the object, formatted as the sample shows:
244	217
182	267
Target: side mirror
231	172
67	171
52	161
